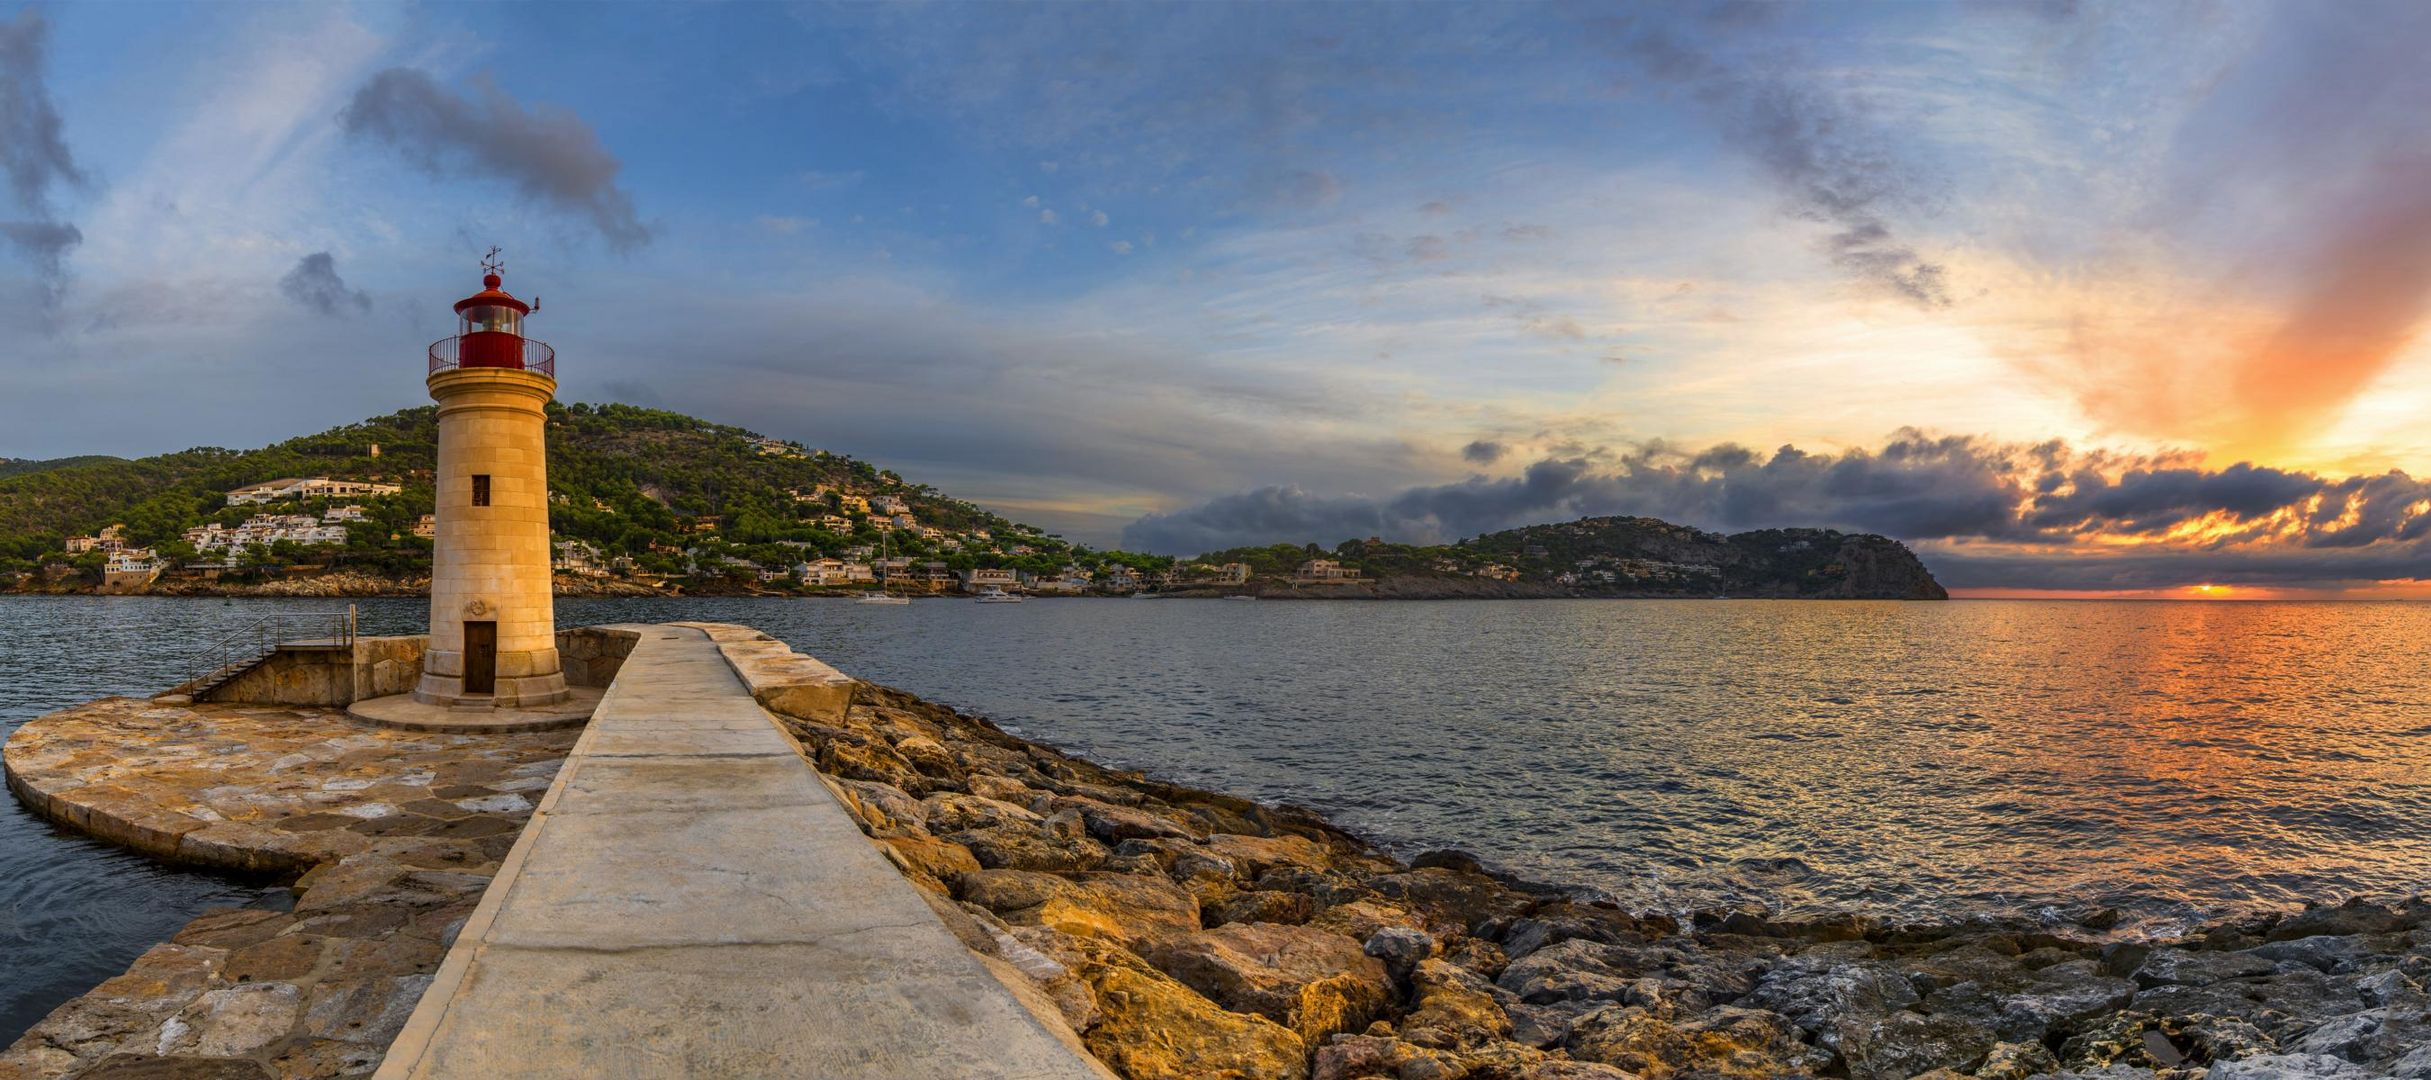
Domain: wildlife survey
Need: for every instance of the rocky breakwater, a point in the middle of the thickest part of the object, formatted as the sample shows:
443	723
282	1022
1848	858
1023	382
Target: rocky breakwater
1185	933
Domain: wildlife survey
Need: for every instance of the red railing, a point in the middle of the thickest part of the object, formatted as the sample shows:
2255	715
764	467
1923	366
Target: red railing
537	356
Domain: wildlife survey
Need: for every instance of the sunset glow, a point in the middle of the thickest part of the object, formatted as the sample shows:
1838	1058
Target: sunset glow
1955	274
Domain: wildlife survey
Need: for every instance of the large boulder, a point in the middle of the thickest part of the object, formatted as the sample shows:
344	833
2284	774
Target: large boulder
1451	1007
1151	1027
1737	1044
951	812
1123	908
1054	843
1314	982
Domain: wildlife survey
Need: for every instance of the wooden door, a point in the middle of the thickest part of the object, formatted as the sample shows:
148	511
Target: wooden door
480	658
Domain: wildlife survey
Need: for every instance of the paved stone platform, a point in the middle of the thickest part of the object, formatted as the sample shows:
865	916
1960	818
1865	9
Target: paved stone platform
691	900
401	831
267	787
402	712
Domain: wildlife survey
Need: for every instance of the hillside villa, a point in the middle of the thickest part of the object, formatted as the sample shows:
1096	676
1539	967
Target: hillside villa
317	487
1327	572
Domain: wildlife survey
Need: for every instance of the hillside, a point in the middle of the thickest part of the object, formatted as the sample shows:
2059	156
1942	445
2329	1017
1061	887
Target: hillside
1602	556
22	466
656	493
651	499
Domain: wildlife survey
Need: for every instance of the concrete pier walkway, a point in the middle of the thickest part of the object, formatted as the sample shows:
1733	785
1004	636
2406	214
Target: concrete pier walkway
690	900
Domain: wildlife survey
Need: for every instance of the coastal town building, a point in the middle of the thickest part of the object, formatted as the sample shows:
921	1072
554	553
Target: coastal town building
111	539
428	527
1326	572
834	572
316	487
577	557
130	569
989	578
1236	573
264	529
493	625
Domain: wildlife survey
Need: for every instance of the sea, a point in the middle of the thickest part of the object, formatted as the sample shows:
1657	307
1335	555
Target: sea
2144	766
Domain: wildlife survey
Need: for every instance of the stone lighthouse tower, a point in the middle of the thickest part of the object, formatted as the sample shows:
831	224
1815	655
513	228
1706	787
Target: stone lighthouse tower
493	625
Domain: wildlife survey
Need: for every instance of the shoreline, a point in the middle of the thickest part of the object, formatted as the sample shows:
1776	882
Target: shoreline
1187	932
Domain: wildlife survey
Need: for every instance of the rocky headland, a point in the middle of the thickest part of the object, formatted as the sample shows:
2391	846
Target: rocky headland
1180	933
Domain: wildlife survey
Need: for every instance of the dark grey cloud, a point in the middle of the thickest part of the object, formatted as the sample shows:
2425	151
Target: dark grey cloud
1484	452
315	284
1996	514
547	153
34	153
1835	163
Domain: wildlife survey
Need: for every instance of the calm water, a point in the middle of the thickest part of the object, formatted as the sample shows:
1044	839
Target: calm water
1989	758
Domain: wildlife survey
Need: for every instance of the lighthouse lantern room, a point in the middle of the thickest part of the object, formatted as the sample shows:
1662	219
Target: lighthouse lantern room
493	628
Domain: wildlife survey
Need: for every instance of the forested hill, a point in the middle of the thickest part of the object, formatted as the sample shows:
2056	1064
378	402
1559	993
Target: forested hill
22	466
1613	556
642	483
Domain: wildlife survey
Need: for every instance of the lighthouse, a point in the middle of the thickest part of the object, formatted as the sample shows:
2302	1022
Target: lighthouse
493	625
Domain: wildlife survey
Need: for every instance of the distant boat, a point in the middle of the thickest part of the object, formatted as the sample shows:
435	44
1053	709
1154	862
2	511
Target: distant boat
1240	598
995	595
882	596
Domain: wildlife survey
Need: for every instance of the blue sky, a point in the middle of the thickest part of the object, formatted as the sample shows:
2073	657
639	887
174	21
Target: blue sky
1211	273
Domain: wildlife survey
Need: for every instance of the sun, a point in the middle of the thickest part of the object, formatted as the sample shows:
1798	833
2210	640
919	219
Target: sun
2211	590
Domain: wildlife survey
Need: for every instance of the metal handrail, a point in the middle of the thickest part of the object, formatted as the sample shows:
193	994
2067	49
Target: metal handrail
537	356
263	636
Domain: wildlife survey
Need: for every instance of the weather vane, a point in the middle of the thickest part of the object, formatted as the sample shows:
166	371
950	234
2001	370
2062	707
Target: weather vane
490	263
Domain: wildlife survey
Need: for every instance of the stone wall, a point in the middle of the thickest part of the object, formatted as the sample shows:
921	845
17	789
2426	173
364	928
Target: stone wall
780	679
380	666
294	675
592	655
386	665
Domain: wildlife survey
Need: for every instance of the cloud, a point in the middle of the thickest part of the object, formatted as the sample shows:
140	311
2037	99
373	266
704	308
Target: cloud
1120	247
785	226
1098	219
34	153
315	284
547	153
1484	452
2284	235
1046	217
1834	164
1991	514
1429	249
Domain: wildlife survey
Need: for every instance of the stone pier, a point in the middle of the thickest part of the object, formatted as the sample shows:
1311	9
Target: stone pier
690	899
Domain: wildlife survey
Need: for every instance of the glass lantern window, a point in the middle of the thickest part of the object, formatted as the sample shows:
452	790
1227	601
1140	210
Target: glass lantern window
493	317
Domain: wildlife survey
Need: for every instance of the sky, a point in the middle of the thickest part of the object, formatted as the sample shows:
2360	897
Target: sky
2073	298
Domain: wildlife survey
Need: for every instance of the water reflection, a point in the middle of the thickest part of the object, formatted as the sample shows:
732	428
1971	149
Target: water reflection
1921	760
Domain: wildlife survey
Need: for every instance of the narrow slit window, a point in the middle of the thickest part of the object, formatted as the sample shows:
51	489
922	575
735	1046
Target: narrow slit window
481	490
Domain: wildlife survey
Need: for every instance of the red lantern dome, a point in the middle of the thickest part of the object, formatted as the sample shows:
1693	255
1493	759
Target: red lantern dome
489	331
